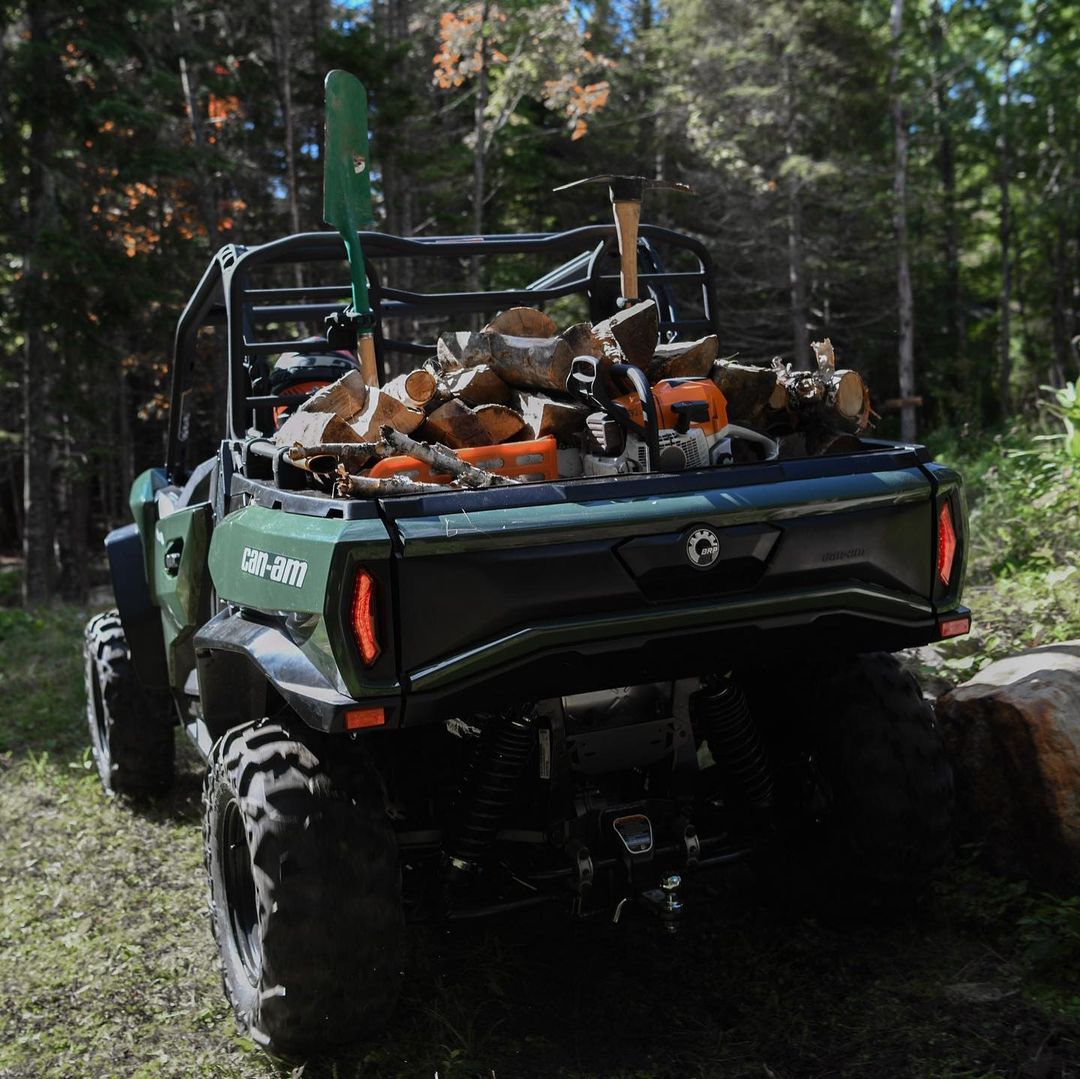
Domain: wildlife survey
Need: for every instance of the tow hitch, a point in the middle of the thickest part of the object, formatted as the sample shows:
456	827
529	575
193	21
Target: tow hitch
663	901
635	831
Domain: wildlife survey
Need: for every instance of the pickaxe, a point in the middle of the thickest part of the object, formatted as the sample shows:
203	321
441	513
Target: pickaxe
626	195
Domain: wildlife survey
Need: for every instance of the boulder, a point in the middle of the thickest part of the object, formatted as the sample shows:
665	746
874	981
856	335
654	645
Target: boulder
1013	732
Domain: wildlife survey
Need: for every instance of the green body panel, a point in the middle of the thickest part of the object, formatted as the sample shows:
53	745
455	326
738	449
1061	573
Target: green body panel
184	596
330	549
144	512
563	522
347	175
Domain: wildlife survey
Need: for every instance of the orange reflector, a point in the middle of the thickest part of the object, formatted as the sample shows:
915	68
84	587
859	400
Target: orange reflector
954	627
363	617
946	544
358	718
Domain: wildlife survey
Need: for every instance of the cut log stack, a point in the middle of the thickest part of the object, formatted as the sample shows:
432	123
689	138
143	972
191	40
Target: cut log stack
810	412
507	383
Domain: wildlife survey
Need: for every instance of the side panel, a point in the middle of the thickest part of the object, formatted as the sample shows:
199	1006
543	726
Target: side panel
181	583
144	512
298	571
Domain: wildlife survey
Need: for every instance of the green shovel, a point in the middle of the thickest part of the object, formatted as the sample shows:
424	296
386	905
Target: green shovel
347	201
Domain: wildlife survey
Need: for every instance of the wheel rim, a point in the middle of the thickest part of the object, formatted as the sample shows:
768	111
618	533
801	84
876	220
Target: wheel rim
240	892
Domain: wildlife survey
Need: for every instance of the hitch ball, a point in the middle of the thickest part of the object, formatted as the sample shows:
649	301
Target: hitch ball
672	906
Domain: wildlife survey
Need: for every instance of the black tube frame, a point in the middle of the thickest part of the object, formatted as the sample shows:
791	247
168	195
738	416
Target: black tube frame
223	295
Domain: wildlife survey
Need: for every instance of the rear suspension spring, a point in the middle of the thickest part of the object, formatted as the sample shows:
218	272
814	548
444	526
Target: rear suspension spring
734	742
490	785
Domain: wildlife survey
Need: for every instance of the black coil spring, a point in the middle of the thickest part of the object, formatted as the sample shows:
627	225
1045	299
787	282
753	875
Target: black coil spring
724	718
490	784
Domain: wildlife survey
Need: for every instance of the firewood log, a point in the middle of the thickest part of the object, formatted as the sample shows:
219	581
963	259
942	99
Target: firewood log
478	385
349	486
684	359
381	409
501	423
345	398
415	388
749	391
834	399
456	425
848	396
636	331
530	363
311	428
324	457
581	339
522	322
446	360
545	415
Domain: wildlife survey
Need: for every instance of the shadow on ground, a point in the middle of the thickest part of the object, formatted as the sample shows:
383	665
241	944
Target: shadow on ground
745	989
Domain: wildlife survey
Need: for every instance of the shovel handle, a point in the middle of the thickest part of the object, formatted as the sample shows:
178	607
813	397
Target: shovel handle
369	371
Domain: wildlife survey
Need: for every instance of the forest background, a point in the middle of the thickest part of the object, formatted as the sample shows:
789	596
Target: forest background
900	177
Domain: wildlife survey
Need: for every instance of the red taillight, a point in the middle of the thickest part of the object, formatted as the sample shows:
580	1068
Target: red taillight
363	617
946	544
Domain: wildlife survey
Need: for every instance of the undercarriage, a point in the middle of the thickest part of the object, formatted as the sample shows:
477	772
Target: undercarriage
591	801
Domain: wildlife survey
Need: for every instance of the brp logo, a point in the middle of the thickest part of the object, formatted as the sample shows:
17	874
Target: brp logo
702	548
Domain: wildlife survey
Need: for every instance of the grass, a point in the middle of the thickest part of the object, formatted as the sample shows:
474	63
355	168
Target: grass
107	966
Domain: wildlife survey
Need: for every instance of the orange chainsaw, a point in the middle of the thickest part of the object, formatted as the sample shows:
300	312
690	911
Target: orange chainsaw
678	424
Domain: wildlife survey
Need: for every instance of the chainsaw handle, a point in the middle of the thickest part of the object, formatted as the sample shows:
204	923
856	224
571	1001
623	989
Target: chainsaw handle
637	379
585	381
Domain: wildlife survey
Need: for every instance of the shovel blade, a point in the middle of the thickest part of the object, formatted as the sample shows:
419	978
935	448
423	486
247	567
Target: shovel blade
346	172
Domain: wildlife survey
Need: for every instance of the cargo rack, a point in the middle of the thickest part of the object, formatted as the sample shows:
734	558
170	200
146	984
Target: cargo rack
225	296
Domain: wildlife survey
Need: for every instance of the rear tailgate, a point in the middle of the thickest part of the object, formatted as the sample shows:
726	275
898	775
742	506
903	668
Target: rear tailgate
552	588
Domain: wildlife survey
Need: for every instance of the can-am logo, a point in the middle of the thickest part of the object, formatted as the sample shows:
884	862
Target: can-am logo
274	567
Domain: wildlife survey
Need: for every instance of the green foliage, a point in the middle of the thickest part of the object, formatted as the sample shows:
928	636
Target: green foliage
1050	931
1023	574
1064	405
10	587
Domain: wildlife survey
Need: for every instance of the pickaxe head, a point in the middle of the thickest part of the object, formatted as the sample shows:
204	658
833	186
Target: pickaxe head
629	188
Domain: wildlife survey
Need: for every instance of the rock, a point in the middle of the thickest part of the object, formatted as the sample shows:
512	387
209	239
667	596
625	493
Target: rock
1014	735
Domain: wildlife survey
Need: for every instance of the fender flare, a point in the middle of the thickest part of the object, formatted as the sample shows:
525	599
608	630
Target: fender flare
139	616
238	658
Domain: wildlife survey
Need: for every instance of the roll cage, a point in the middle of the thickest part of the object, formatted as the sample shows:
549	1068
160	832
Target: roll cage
225	296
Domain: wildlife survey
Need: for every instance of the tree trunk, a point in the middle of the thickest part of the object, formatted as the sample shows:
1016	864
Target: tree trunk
281	33
800	315
127	450
206	188
37	365
904	300
1061	362
479	192
965	382
1005	239
73	511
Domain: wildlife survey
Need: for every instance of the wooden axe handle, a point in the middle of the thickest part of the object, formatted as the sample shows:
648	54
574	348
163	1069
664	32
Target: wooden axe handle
627	219
365	348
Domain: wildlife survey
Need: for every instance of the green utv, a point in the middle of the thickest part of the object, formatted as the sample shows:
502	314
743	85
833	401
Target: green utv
454	703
